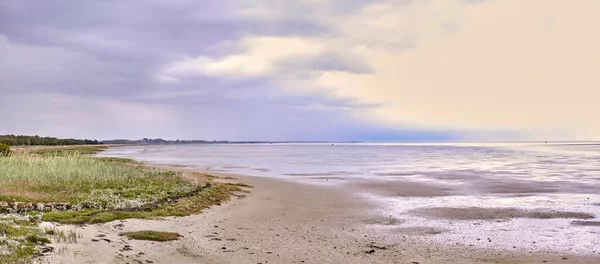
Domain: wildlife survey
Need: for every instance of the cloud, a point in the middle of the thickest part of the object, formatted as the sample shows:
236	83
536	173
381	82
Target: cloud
267	56
531	72
19	62
303	69
42	113
92	73
444	65
260	58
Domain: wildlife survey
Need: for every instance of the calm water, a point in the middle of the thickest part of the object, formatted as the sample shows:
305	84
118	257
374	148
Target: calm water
558	176
520	161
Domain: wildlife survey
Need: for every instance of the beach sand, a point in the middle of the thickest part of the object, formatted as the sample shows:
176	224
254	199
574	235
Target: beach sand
288	222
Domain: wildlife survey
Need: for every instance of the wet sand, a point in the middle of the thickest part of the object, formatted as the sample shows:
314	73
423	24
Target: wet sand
287	222
586	223
478	213
399	188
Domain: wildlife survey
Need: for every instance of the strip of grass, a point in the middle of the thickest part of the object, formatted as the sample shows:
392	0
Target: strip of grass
120	160
64	151
211	195
151	235
68	187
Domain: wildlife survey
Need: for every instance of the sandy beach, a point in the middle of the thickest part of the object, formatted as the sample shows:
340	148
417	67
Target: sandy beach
288	222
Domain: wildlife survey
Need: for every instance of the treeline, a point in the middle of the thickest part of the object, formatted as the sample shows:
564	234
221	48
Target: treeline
13	140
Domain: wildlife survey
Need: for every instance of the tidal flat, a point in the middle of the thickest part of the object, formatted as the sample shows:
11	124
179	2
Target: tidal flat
386	203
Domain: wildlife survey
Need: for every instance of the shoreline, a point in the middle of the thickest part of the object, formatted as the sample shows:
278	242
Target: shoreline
282	222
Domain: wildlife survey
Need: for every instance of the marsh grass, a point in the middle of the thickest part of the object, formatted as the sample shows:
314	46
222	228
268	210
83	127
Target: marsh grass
85	182
68	186
68	150
213	194
94	190
151	235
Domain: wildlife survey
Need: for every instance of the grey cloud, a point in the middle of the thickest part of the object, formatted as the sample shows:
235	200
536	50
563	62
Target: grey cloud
88	69
182	27
121	43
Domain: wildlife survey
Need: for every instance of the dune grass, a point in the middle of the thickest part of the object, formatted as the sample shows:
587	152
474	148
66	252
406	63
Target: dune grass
151	235
68	186
85	182
69	150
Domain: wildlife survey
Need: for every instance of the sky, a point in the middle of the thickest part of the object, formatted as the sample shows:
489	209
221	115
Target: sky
404	70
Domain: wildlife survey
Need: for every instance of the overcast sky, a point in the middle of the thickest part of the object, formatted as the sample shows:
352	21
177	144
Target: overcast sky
401	70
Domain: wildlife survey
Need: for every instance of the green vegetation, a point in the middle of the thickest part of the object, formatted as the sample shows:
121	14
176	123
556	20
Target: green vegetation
121	160
239	184
151	235
20	237
63	185
13	140
213	194
4	150
61	236
69	151
86	182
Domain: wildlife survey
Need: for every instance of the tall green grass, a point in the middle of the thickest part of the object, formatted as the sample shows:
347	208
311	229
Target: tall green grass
85	181
70	150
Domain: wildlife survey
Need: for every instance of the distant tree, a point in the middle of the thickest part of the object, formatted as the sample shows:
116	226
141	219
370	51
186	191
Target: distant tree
13	140
8	141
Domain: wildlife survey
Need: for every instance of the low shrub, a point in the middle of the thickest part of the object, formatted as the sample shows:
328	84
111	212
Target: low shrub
4	150
151	235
